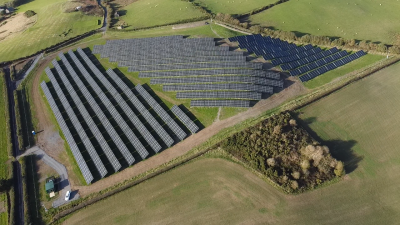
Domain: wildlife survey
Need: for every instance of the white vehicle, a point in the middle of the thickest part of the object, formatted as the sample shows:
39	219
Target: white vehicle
67	195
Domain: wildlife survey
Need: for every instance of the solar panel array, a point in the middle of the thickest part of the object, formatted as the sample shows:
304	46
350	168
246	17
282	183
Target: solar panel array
219	94
87	175
187	61
81	98
307	61
220	103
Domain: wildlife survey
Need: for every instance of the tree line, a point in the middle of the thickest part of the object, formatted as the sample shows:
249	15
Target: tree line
284	152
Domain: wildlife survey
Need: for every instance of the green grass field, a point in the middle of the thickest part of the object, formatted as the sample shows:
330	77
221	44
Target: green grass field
358	19
360	123
233	6
343	70
51	23
147	13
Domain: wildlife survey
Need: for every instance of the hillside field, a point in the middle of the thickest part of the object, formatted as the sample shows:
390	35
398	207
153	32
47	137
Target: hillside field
214	191
359	19
233	6
147	13
52	26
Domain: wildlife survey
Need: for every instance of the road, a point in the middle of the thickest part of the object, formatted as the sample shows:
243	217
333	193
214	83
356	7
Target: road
63	184
104	27
19	204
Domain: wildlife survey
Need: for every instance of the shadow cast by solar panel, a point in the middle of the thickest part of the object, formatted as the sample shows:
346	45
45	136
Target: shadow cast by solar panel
192	117
165	107
134	109
74	134
155	115
113	122
93	58
339	149
97	121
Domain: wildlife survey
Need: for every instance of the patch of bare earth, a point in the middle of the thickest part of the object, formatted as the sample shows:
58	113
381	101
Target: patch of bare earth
15	24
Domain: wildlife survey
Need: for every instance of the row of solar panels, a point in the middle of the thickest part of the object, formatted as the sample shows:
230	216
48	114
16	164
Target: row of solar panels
218	79
219	95
161	61
102	149
220	103
318	63
215	87
297	56
211	65
331	66
309	59
210	72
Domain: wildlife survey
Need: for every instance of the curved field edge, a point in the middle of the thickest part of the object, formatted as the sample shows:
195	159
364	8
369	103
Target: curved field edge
299	102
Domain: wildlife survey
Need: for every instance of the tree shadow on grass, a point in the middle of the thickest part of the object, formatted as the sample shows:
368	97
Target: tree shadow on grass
340	149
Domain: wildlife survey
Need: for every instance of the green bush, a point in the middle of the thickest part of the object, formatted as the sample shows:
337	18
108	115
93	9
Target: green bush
29	13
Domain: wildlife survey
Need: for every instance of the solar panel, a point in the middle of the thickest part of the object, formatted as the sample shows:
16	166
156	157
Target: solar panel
185	119
127	110
117	117
75	122
234	86
220	103
218	79
87	175
207	72
161	112
99	113
140	107
219	94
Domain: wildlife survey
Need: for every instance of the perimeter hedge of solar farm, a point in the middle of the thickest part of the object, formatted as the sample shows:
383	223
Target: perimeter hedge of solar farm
110	124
